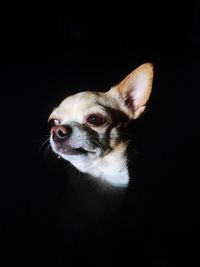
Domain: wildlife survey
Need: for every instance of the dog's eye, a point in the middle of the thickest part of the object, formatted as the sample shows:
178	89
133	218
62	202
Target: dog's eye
95	120
53	122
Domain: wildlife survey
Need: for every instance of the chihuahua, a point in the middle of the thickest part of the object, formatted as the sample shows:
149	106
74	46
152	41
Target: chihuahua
89	128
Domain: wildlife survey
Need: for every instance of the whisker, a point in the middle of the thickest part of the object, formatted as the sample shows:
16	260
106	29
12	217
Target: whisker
47	135
46	151
44	143
97	143
68	164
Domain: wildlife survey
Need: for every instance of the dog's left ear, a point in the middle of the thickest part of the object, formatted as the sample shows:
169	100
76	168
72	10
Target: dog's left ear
134	91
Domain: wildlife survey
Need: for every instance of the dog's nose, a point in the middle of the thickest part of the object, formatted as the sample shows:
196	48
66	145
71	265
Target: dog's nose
61	132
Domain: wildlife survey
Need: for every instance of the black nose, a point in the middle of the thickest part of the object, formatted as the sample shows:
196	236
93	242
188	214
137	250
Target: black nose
61	132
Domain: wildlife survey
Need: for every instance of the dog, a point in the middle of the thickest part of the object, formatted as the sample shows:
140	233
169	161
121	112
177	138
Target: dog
88	128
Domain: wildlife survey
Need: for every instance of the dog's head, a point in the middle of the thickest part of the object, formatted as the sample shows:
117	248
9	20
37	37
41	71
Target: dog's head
89	126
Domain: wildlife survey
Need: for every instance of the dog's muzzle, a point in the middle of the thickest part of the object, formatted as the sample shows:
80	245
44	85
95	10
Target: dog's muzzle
62	141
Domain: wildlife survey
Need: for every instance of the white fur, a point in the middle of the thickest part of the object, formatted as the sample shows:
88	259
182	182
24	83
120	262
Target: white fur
111	168
110	165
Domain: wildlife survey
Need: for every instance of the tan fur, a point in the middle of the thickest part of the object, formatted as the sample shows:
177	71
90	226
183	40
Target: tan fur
143	72
128	99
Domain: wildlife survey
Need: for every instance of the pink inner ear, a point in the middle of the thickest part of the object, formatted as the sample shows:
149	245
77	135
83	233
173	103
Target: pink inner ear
129	101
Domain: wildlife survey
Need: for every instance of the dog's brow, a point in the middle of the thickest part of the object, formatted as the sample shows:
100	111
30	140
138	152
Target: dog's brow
97	107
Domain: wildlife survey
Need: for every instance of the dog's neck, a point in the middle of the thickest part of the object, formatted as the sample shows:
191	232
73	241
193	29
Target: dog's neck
111	169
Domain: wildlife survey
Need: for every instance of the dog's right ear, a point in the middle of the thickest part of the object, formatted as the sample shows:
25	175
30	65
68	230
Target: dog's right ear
133	92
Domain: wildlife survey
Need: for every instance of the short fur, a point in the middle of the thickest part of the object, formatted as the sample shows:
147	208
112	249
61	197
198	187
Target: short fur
100	151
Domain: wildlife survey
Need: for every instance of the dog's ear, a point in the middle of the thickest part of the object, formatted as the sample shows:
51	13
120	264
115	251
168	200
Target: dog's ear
134	91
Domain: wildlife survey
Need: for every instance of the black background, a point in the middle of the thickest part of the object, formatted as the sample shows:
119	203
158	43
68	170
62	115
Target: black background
49	48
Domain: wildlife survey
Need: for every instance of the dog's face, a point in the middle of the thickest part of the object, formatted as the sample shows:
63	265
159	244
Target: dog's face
88	126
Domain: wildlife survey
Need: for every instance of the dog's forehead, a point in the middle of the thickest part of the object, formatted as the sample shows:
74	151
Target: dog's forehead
74	107
82	99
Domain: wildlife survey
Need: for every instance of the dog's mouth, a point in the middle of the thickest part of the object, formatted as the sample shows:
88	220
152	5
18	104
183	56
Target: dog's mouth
74	151
69	150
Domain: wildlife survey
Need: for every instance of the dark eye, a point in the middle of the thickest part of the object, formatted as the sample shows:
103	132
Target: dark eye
95	120
53	122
